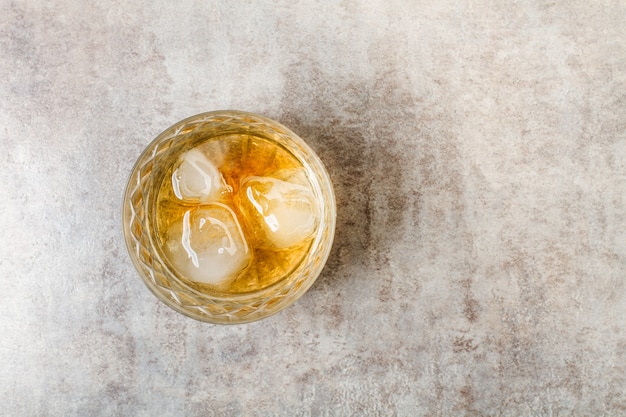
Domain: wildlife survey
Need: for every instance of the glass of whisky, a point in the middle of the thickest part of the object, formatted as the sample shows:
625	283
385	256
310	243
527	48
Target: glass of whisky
228	217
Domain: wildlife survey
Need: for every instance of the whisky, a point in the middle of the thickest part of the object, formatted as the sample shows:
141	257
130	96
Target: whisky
235	213
228	216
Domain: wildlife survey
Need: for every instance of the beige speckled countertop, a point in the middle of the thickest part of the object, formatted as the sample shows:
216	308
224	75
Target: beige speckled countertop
478	152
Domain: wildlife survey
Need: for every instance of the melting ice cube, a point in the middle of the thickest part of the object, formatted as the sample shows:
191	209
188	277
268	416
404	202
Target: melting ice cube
196	178
208	245
285	213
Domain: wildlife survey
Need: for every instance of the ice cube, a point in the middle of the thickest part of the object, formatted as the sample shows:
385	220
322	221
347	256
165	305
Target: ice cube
293	175
208	245
281	213
197	179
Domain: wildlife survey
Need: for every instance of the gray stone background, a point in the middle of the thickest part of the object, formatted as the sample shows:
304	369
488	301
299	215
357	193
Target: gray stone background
478	152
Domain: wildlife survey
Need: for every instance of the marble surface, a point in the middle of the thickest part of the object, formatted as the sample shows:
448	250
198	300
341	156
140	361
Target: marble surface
478	152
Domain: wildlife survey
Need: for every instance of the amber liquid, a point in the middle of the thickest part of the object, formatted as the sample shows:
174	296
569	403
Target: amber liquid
236	157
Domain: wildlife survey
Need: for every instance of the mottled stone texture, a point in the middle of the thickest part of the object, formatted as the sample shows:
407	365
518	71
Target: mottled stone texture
478	150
